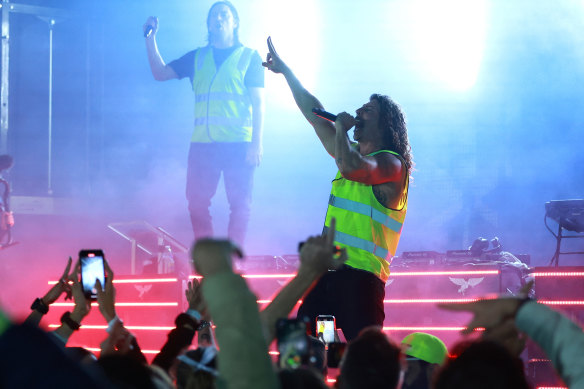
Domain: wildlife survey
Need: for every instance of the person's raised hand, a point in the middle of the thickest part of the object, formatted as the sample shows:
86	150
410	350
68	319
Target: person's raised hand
119	340
82	304
194	296
106	295
319	253
213	256
489	313
273	60
507	334
152	22
62	286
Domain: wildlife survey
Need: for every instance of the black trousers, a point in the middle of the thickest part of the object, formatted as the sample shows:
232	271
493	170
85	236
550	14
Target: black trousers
207	161
354	297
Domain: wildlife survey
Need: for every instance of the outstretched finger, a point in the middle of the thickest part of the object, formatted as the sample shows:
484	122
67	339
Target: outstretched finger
330	235
74	276
67	269
109	273
271	47
98	286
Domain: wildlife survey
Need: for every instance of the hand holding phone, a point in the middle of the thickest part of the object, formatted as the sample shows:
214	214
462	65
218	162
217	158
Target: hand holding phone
293	344
92	269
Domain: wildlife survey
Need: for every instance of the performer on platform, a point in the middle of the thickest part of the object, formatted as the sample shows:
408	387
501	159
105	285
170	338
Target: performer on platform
368	200
227	79
6	216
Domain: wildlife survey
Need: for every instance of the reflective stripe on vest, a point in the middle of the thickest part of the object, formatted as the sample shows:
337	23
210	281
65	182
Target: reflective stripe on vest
366	210
367	229
222	105
359	243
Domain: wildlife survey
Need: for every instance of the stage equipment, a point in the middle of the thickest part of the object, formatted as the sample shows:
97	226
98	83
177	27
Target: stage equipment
154	241
569	214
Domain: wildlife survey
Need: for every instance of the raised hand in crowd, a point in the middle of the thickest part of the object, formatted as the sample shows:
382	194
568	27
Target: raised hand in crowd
195	298
119	340
497	317
195	319
106	294
198	309
235	313
213	256
71	321
41	306
317	255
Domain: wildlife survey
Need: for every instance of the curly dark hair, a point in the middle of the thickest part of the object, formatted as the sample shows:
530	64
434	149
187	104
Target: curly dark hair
392	120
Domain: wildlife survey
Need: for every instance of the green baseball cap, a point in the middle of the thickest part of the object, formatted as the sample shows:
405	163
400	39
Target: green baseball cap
425	347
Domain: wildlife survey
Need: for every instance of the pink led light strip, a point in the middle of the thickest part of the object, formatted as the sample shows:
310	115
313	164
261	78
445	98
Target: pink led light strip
97	350
136	281
150	304
559	274
426	329
291	275
103	327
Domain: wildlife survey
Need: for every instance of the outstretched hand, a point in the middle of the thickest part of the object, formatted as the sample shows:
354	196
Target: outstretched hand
194	296
213	256
273	60
82	304
489	313
319	254
497	317
152	22
106	295
62	286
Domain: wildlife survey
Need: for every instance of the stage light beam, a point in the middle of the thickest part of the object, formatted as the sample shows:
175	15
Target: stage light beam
450	39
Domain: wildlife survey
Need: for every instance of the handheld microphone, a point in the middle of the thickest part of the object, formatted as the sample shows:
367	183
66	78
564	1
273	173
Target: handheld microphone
148	31
321	113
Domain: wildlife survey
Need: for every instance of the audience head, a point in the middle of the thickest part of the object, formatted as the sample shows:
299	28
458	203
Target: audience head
424	353
197	369
370	361
124	372
81	355
482	364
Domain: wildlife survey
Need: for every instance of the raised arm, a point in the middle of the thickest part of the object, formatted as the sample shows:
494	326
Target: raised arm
160	70
41	305
317	256
325	130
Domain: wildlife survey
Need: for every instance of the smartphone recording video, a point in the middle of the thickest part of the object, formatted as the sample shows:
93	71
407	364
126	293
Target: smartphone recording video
92	269
293	344
326	328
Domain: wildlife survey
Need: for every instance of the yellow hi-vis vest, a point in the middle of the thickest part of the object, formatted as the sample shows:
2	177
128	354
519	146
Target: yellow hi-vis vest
369	231
222	104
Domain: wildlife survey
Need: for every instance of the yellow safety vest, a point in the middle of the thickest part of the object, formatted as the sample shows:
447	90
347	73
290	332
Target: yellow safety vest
368	230
223	111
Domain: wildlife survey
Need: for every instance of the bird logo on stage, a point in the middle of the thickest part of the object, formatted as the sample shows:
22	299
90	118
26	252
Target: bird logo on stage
142	289
464	284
